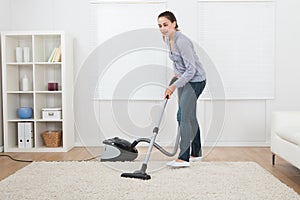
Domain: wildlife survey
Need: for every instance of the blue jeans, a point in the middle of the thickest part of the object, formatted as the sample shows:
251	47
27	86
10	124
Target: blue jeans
187	120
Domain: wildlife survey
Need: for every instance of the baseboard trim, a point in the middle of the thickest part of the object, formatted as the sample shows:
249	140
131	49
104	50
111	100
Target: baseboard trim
207	144
78	144
1	148
238	144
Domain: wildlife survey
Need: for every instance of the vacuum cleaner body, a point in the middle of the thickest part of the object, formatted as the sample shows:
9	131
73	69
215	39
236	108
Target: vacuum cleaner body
117	149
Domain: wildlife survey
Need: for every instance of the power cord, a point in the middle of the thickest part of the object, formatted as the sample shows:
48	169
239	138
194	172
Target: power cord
20	160
90	158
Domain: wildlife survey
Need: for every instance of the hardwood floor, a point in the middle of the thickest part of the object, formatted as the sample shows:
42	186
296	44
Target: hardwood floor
284	171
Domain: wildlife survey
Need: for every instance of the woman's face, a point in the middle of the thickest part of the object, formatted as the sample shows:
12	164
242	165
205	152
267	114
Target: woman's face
166	27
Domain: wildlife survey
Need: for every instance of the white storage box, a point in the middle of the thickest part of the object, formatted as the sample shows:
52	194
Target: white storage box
51	113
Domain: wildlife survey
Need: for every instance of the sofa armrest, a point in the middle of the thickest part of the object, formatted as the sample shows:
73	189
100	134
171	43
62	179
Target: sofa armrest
281	119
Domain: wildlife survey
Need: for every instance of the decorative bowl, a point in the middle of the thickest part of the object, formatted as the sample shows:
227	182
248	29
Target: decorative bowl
25	112
53	86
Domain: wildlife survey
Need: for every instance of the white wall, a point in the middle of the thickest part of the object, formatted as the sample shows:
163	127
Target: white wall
5	19
287	55
287	94
247	122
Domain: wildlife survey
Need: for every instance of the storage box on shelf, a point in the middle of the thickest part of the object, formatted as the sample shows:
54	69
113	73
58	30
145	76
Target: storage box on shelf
51	113
52	138
30	61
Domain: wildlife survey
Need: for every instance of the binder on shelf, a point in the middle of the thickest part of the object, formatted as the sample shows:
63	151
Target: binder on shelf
28	132
25	135
21	135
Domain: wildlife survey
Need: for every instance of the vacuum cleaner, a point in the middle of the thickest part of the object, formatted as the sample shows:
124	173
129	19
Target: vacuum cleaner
117	149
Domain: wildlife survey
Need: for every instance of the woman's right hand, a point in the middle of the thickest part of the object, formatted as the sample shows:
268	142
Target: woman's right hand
169	91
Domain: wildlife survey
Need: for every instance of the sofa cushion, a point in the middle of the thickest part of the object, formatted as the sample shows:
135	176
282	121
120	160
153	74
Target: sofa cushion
290	134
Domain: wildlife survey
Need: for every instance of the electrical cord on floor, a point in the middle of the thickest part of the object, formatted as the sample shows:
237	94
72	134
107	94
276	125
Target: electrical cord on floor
91	158
20	160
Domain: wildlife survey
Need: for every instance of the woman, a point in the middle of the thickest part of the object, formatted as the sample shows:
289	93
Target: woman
190	84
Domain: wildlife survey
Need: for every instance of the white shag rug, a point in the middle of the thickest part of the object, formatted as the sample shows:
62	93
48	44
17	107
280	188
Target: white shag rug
95	180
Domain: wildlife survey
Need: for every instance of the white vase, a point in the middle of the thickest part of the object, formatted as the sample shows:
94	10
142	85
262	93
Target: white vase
25	83
19	54
26	54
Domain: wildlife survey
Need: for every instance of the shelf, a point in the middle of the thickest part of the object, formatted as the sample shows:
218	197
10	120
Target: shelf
19	63
43	120
14	41
19	92
47	73
16	72
44	45
46	126
36	63
34	120
49	92
39	73
48	63
21	120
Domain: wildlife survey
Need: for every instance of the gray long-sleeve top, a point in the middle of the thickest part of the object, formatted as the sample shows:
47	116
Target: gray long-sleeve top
185	61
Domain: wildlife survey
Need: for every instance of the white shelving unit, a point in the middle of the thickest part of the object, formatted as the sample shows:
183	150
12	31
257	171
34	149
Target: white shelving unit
39	72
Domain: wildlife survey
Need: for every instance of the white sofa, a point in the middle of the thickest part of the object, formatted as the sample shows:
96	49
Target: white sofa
285	136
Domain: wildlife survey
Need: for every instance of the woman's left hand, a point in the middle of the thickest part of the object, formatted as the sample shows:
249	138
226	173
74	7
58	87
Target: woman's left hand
169	91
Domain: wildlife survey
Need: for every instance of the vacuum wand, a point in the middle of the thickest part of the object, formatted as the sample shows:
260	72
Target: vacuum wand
141	174
156	129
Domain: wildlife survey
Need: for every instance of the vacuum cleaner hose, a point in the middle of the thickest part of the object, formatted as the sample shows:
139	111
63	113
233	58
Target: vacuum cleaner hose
157	146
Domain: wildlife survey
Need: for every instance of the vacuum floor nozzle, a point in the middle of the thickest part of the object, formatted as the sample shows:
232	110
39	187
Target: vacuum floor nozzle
139	175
